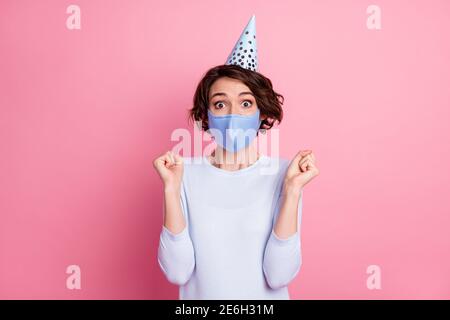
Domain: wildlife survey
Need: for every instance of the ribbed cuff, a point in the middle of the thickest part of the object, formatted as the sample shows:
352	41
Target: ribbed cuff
284	241
175	236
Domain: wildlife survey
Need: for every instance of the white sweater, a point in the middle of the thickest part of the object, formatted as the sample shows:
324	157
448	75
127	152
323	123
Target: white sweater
228	249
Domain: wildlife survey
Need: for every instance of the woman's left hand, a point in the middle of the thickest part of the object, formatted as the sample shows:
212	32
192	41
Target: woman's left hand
302	169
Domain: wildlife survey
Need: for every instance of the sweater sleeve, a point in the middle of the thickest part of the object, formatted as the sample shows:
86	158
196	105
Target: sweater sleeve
176	252
282	256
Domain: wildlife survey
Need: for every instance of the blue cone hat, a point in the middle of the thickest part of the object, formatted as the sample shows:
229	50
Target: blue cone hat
245	53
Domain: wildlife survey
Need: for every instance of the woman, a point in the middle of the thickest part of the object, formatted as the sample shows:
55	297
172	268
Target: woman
232	229
232	219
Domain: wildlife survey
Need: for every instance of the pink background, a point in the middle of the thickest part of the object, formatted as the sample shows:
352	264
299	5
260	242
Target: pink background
84	113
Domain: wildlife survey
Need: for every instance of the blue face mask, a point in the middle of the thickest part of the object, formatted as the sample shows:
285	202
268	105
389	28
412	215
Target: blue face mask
234	132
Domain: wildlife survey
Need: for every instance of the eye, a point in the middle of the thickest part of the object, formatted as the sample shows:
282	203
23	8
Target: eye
219	104
247	103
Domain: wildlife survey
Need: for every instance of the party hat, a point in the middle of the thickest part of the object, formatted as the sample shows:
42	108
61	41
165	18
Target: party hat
245	53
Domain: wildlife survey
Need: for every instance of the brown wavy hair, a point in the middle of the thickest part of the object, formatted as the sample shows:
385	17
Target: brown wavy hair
269	102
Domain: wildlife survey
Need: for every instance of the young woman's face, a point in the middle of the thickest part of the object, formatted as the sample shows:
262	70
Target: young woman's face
231	96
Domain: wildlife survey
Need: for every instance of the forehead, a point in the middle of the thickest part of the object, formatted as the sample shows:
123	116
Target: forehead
229	86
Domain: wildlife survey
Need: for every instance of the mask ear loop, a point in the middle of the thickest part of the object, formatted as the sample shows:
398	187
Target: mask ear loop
262	130
200	127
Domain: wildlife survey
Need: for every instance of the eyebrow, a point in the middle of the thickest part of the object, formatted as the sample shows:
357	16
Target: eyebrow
224	94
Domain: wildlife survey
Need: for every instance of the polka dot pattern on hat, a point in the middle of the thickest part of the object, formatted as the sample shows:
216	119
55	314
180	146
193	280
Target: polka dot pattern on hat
245	50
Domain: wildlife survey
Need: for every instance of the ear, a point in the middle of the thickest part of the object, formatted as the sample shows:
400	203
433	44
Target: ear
267	121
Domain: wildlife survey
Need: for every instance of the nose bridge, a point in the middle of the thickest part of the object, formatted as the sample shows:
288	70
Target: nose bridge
234	106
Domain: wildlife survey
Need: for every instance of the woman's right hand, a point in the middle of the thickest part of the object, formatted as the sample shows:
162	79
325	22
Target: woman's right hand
170	168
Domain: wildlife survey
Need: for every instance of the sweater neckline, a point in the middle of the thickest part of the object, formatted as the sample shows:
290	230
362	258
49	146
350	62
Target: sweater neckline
254	165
